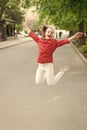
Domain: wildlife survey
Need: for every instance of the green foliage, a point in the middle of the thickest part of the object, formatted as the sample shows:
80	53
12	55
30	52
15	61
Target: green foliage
14	12
3	7
65	14
10	9
25	31
84	48
26	4
18	27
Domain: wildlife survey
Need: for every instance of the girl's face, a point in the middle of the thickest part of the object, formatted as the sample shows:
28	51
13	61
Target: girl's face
49	34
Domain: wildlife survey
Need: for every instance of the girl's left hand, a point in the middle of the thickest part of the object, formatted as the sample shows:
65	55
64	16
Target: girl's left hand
75	36
79	34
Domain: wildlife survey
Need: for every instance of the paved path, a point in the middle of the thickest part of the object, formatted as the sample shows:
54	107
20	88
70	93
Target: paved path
26	106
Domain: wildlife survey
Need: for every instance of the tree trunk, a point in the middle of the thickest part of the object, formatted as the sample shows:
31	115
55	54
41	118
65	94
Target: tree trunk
70	33
81	29
1	13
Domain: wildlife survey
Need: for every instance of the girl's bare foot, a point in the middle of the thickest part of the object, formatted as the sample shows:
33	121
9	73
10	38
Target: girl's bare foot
64	68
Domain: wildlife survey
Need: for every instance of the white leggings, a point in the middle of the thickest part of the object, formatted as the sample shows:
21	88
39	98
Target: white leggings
45	71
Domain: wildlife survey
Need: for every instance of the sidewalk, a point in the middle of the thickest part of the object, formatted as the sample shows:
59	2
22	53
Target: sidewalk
10	43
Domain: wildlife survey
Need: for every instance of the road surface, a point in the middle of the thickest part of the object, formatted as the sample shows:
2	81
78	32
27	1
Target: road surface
27	106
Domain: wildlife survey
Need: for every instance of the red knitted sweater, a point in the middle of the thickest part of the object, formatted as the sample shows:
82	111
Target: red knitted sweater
46	47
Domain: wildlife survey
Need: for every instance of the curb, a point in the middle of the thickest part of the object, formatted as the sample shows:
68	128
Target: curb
80	54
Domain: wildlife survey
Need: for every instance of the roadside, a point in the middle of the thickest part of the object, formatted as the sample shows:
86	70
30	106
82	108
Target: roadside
10	43
79	53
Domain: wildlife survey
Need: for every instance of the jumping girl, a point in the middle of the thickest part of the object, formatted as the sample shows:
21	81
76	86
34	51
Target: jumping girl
46	47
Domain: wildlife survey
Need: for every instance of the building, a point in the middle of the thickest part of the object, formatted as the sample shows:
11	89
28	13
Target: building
7	29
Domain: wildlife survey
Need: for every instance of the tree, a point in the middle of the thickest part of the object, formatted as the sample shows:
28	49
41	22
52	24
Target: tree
2	7
69	14
10	9
18	28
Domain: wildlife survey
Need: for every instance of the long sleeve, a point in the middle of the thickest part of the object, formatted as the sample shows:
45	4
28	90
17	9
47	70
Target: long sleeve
61	42
34	36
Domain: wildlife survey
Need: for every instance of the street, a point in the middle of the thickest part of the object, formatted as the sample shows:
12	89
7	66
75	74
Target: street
27	106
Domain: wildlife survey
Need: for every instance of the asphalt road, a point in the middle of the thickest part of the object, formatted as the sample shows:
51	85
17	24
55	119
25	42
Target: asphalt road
27	106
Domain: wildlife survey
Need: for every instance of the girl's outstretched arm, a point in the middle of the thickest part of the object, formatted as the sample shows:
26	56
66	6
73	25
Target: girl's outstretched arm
77	35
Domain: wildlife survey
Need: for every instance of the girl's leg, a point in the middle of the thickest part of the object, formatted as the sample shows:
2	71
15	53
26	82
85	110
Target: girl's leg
49	73
50	78
40	75
60	73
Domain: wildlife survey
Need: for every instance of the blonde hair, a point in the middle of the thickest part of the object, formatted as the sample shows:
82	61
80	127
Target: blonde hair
44	28
52	27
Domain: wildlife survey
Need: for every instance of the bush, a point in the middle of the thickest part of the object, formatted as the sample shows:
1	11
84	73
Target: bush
18	27
84	49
